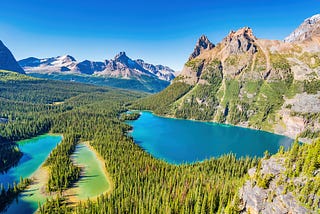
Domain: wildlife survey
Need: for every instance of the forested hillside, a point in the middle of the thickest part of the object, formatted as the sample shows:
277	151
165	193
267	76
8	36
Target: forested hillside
28	107
93	114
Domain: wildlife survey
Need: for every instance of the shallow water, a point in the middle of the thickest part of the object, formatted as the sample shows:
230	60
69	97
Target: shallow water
94	180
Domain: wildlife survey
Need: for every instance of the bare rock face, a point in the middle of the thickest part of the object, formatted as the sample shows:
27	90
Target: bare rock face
272	199
241	41
7	60
237	54
292	112
308	29
188	75
305	103
202	44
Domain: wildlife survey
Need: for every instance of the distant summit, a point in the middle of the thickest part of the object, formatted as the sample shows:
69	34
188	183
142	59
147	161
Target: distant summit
121	57
306	31
120	67
202	44
7	60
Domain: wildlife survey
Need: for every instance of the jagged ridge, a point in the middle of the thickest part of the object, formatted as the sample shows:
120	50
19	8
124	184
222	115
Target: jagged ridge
119	67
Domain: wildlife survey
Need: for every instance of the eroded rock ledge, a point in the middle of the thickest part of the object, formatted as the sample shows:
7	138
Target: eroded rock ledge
269	194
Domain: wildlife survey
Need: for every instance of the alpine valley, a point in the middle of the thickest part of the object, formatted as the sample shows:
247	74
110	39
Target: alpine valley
86	144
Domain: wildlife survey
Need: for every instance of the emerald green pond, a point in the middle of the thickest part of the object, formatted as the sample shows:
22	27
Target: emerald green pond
184	141
93	181
35	152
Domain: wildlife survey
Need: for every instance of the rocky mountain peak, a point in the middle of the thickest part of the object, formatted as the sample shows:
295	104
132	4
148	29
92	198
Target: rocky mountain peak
313	19
240	41
203	43
66	59
245	32
140	61
7	60
121	57
71	58
308	29
122	62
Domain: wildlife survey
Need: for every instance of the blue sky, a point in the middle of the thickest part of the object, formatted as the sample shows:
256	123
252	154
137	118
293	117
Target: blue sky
160	32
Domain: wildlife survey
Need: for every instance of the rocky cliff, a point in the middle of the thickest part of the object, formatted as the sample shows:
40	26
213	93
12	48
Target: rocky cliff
243	80
202	45
7	60
285	183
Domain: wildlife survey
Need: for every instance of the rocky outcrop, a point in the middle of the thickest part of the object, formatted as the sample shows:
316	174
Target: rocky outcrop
292	113
203	44
7	60
305	103
270	199
120	67
308	29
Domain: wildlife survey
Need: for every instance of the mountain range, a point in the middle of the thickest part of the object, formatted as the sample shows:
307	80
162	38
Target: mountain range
264	84
121	71
120	67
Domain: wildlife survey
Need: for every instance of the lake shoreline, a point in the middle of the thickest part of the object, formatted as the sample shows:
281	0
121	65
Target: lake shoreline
39	179
221	124
103	163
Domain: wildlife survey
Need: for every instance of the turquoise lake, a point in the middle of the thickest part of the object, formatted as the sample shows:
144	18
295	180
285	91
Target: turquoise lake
179	141
35	152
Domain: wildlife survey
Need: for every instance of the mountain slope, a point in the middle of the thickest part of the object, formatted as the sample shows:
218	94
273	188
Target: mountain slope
7	60
263	84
